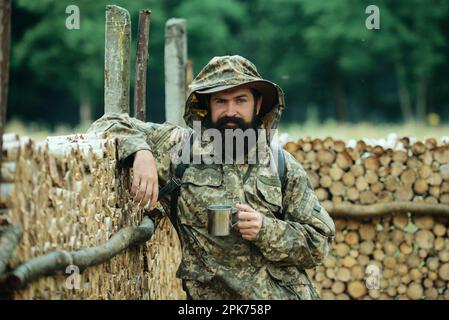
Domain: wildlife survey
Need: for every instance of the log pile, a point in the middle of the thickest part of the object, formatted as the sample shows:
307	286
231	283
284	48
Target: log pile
390	207
68	193
410	254
367	174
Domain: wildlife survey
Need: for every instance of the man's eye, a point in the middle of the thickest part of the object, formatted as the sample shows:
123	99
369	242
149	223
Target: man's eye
219	101
241	100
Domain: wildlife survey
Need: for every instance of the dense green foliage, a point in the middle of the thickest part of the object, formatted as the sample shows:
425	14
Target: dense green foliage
320	52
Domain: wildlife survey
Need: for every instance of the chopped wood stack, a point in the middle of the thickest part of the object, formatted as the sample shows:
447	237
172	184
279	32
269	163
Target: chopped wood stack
366	174
411	251
68	193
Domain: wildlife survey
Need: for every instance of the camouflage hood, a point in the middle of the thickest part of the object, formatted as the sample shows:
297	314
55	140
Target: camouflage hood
226	72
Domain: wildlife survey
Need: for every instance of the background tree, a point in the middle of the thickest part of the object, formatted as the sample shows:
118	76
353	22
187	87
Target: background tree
320	52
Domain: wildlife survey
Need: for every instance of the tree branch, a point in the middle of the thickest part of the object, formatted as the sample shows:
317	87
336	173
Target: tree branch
84	258
9	238
380	209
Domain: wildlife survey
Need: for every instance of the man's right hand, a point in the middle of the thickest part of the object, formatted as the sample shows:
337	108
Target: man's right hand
145	186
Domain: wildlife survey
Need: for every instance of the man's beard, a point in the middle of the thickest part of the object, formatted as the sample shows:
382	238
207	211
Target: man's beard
230	148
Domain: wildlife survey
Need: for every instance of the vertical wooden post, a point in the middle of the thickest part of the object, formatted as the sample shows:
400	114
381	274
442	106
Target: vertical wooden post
5	31
140	87
175	70
189	76
116	60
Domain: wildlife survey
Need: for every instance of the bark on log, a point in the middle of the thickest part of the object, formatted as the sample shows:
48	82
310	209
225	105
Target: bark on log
140	87
7	171
5	217
430	143
117	59
175	69
353	154
9	238
339	146
441	154
5	35
328	143
317	144
380	209
360	146
6	191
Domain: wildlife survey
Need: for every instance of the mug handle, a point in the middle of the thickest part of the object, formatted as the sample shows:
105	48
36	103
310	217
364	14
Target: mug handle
234	216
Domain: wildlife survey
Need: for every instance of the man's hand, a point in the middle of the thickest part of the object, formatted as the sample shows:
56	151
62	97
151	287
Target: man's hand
250	222
145	184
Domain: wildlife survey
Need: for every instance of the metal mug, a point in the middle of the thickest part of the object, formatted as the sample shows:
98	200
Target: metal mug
221	219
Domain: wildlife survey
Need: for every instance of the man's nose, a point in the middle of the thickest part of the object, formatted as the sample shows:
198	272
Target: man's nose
231	109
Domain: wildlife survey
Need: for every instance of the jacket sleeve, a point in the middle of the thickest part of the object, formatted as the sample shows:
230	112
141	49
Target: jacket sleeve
304	238
133	135
163	140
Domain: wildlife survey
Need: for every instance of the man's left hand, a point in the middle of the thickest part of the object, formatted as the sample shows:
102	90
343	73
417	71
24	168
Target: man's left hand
250	222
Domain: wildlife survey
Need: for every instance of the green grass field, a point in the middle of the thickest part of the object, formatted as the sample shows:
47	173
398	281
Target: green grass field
39	131
295	131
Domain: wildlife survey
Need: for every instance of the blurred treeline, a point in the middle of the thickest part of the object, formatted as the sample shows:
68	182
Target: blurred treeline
320	52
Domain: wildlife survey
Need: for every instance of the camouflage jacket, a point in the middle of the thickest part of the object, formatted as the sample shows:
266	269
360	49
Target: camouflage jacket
271	267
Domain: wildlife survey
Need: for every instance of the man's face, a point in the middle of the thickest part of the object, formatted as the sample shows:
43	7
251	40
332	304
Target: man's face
234	108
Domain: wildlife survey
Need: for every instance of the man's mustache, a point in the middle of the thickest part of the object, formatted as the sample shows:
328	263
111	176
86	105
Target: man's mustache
239	121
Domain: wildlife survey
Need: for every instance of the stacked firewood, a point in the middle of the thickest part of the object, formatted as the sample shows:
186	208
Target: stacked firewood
391	257
378	254
366	174
68	193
